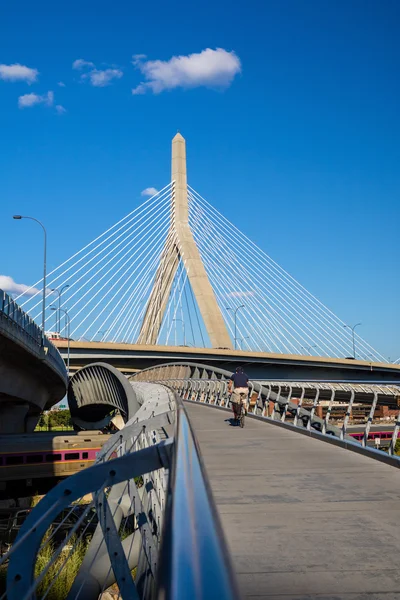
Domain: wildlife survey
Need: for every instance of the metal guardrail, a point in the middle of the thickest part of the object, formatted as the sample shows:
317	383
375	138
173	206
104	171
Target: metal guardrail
21	327
201	383
157	533
194	561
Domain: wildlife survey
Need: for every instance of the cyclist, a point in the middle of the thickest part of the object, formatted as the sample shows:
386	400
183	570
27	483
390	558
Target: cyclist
240	382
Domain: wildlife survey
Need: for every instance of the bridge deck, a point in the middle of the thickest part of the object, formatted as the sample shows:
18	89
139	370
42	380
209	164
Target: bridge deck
303	519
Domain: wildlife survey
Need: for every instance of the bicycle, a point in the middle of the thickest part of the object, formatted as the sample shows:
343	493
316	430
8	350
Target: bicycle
240	414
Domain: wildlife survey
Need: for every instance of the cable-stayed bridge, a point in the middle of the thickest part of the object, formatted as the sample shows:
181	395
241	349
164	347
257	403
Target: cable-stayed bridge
181	503
176	272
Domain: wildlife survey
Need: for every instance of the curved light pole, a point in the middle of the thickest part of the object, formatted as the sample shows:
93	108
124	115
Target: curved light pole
59	292
352	331
184	331
234	310
68	331
246	337
308	348
64	287
18	217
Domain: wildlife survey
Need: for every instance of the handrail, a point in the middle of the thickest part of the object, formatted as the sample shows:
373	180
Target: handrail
194	557
287	396
152	473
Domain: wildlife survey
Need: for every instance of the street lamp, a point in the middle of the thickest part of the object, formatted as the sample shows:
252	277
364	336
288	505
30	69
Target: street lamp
309	348
184	331
18	217
352	331
102	333
68	331
234	310
59	292
246	337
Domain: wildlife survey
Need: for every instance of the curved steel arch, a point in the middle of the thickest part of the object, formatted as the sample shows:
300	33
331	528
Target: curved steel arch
95	391
203	383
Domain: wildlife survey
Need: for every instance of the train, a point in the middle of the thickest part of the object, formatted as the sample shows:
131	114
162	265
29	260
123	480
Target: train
382	435
38	455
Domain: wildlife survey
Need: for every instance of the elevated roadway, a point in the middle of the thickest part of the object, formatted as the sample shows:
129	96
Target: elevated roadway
259	365
33	376
303	519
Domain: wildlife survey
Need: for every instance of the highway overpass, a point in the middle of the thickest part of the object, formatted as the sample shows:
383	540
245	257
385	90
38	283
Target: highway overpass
33	376
259	365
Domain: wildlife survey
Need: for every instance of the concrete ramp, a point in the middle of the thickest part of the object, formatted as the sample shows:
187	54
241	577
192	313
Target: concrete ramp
303	519
33	376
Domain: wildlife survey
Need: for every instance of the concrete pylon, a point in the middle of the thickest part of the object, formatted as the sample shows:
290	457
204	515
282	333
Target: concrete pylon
182	246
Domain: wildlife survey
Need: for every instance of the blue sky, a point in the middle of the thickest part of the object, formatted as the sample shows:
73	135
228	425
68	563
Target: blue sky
299	147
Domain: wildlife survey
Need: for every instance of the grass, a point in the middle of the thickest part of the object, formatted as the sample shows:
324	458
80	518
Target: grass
60	582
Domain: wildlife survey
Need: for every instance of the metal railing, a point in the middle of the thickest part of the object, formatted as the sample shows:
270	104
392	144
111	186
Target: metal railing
18	325
281	401
144	528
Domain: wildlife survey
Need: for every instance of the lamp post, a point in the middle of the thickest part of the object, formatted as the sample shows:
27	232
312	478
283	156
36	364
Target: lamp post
184	331
102	333
59	292
234	310
18	217
68	331
352	332
309	348
246	337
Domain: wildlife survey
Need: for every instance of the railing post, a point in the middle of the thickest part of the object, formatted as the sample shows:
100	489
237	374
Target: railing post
369	420
283	417
328	411
299	405
276	403
315	403
347	415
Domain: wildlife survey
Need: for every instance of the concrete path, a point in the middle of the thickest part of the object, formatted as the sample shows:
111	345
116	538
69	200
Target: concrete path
303	519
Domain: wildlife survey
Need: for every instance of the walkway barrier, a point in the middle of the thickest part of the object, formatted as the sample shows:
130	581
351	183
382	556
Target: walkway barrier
142	517
280	401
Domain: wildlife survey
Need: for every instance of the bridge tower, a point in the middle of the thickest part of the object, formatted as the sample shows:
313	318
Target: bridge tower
181	246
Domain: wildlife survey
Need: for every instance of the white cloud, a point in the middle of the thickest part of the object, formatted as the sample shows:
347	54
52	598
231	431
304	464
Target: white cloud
8	285
28	100
61	84
96	77
18	72
210	68
99	78
60	109
80	63
137	58
150	191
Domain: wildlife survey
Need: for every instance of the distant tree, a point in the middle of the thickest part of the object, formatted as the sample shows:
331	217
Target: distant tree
60	418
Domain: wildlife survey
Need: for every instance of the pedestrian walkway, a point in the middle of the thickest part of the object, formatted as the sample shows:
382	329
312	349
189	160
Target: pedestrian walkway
303	519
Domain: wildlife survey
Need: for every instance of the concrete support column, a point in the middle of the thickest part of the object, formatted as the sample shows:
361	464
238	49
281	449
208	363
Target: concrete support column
13	416
184	249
